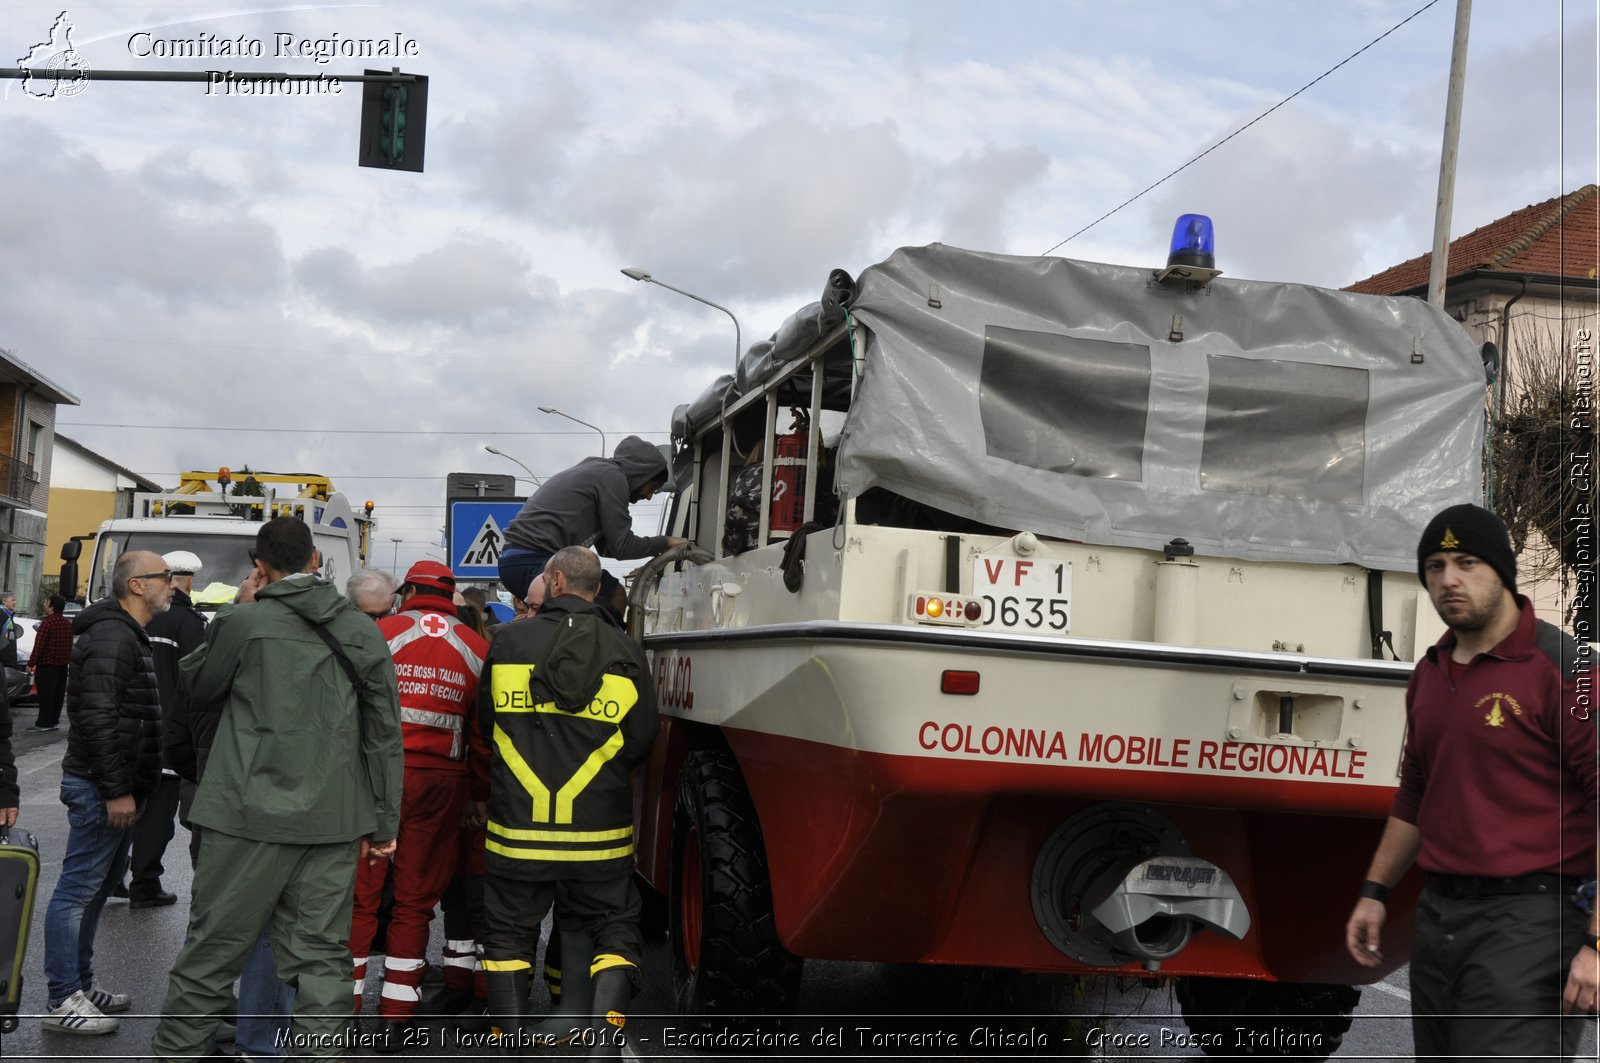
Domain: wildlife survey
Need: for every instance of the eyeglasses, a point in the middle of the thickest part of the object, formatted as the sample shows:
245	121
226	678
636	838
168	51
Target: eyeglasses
164	577
394	606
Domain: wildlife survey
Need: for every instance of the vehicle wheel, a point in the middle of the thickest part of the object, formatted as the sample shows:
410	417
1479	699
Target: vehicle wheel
1252	1019
652	910
726	956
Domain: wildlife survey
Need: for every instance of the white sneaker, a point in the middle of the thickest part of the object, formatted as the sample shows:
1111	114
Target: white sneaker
78	1015
109	1002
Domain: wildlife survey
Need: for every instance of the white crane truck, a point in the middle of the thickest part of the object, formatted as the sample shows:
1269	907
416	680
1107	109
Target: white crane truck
220	529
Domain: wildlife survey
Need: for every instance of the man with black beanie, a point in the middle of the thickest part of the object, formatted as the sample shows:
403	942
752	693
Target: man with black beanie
1497	804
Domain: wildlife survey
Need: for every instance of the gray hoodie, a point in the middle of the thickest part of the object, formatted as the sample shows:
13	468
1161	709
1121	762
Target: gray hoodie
592	498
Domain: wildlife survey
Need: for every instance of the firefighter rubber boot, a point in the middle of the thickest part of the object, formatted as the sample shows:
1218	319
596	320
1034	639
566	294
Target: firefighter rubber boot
508	1003
613	989
570	1017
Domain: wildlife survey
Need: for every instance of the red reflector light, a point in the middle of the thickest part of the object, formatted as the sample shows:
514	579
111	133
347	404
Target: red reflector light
952	682
974	611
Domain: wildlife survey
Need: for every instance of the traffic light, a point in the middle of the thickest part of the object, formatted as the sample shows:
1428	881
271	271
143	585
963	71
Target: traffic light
394	120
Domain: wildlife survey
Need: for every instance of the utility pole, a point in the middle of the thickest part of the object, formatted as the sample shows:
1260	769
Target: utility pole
1438	263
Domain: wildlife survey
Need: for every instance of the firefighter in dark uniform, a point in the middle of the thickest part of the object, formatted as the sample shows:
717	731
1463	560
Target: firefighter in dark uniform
572	709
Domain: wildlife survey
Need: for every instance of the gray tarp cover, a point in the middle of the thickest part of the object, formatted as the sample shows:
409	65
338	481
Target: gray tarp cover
1288	423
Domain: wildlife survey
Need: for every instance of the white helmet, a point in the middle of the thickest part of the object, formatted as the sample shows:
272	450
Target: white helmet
182	562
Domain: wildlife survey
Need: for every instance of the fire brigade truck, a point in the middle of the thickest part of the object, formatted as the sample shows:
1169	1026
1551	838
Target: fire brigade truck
1074	638
219	527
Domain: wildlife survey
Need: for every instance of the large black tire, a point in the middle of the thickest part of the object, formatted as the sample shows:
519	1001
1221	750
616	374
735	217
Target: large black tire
652	910
1282	1020
726	956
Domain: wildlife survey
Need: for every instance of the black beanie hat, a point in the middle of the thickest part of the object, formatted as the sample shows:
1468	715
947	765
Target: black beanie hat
1471	530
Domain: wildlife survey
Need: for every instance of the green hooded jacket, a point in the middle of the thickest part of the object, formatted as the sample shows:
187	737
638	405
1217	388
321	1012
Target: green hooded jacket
296	758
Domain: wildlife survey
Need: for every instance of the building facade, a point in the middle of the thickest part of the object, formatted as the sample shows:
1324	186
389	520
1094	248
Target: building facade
86	488
28	404
1528	284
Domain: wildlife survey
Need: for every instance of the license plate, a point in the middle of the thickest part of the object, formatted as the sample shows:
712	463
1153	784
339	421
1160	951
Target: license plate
1023	593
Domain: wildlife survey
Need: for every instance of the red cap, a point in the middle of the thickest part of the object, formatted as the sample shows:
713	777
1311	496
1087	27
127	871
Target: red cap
432	574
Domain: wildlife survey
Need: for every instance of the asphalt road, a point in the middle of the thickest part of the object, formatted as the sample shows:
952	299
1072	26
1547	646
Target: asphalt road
849	1011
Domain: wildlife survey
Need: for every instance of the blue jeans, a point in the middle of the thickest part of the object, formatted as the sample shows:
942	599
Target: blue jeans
265	1003
518	567
96	857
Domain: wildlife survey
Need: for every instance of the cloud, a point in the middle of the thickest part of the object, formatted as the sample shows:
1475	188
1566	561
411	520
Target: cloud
467	284
127	230
976	193
517	155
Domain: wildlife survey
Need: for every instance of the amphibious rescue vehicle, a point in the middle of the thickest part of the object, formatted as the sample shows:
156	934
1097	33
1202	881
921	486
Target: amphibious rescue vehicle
1065	630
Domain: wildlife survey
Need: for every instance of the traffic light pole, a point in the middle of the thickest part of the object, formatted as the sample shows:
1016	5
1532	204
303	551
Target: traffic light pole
394	106
206	76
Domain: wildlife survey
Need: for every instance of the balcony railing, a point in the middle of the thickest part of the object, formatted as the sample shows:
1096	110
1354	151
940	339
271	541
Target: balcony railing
18	480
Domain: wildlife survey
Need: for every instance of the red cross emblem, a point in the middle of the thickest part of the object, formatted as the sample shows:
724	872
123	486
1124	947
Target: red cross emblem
435	625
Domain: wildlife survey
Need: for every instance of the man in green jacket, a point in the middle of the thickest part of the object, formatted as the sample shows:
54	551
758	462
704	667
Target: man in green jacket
303	782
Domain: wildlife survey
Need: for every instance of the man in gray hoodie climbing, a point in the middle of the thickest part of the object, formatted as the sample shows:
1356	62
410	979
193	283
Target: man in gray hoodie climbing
586	505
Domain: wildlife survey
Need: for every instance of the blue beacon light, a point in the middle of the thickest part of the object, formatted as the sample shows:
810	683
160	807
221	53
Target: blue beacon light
1193	258
1194	242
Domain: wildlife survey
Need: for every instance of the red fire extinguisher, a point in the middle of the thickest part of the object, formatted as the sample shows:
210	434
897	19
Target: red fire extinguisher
789	478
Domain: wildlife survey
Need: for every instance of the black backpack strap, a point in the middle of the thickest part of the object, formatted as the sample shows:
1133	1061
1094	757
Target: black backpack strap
338	652
349	670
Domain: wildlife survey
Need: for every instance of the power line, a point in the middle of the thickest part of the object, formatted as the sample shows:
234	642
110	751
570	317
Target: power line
413	431
428	356
1247	125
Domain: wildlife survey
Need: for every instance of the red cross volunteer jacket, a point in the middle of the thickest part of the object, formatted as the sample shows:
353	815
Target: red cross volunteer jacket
437	660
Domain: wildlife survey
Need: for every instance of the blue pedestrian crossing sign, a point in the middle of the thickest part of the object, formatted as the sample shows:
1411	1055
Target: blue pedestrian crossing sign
475	531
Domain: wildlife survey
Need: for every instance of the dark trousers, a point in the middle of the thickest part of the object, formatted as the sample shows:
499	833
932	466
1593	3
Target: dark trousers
52	682
518	570
514	908
1487	975
150	837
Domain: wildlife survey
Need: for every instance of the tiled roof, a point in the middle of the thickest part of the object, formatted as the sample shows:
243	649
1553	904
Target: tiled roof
1556	238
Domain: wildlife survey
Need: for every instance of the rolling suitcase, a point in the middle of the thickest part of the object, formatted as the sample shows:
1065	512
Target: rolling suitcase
19	878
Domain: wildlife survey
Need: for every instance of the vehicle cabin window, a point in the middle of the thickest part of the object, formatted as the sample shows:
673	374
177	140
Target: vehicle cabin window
1263	437
1097	391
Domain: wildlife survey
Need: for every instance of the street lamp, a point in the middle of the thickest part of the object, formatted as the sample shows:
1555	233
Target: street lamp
395	564
497	452
634	273
586	424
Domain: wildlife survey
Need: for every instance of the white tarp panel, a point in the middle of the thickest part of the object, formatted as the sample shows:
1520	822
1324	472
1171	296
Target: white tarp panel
1287	423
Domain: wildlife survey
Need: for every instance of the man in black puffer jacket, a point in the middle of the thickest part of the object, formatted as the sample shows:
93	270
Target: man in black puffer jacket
113	758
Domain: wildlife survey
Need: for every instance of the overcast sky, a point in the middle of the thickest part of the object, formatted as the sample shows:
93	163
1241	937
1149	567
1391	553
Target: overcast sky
197	268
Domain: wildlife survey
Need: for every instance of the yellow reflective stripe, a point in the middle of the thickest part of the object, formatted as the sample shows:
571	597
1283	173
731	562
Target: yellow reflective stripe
509	685
507	965
607	960
585	775
612	702
568	855
517	834
616	698
519	767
